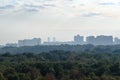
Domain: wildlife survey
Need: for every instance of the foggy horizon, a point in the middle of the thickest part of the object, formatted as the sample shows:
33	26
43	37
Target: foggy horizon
57	39
26	19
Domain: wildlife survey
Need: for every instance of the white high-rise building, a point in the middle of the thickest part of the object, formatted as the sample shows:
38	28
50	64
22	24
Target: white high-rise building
90	40
79	39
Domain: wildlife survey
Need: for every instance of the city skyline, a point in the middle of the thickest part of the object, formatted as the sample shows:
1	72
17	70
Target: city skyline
77	40
20	19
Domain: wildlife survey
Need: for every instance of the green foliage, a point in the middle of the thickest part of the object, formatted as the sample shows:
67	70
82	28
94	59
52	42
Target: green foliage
23	76
61	65
2	77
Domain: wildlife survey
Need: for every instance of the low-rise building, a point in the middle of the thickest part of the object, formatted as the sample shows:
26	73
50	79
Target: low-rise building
29	42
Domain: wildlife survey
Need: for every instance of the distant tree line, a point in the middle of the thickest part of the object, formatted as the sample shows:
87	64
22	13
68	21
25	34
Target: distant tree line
72	48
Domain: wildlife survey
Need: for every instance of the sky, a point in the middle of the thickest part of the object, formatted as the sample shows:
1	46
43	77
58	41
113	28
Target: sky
25	19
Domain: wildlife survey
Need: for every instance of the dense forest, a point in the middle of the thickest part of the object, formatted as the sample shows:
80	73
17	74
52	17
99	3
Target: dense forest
92	63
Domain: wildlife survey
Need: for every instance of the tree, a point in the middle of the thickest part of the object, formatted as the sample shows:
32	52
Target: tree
50	76
1	77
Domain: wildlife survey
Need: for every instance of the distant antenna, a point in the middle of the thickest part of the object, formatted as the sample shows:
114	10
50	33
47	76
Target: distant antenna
54	39
48	39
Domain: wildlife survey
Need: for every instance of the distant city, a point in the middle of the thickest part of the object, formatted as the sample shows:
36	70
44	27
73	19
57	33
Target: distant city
78	40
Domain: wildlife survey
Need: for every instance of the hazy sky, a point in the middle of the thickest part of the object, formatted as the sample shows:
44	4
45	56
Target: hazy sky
20	19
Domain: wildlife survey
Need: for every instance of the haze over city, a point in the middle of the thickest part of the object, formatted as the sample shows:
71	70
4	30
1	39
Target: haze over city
59	39
24	19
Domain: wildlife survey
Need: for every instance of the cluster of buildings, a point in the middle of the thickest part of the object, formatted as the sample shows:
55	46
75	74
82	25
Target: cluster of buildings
25	42
100	40
78	40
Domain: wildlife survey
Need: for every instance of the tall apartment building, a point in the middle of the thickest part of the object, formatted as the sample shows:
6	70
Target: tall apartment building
104	40
90	40
79	39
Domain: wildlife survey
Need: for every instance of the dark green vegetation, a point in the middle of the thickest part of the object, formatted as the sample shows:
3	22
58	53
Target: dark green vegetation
90	63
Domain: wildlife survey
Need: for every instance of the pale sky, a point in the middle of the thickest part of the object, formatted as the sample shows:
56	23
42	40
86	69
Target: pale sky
25	19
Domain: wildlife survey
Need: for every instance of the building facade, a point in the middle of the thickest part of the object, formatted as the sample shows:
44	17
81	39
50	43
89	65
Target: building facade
79	39
29	42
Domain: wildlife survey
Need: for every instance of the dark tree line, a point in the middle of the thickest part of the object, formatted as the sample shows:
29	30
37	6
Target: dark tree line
72	48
